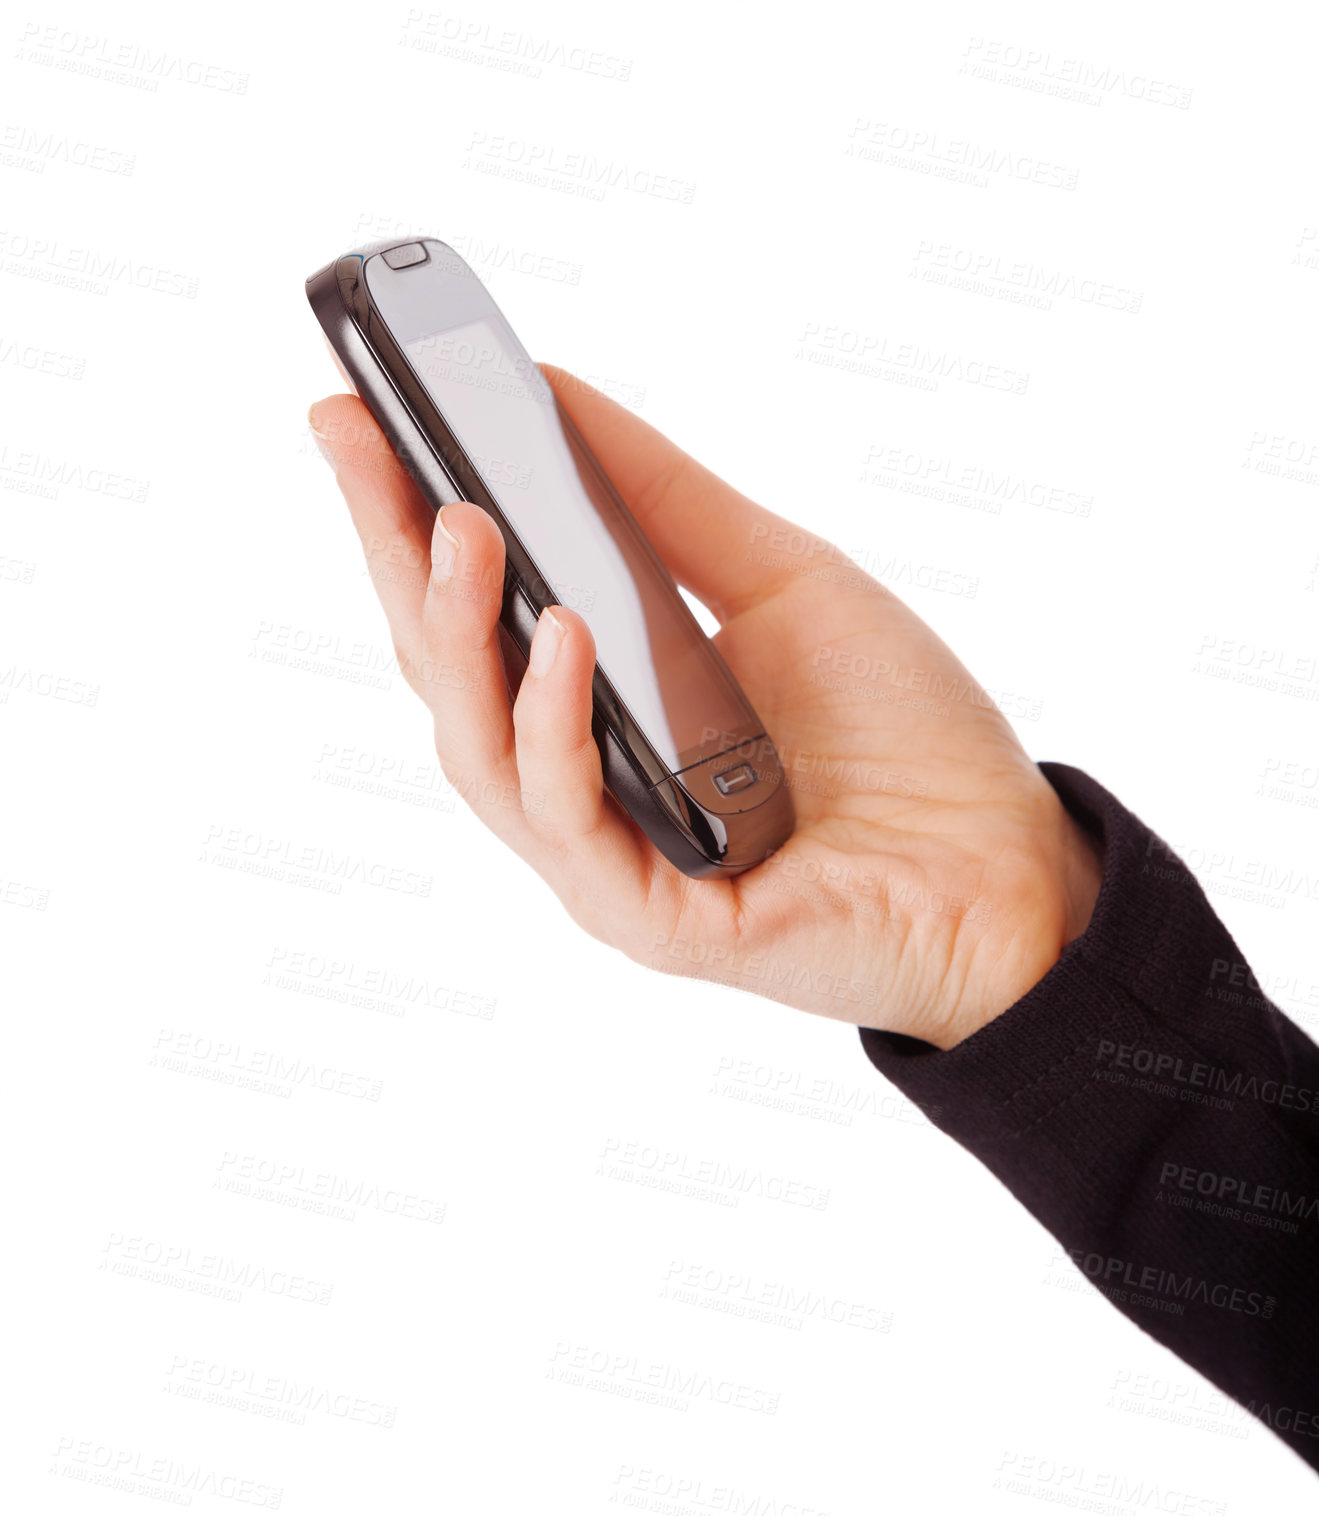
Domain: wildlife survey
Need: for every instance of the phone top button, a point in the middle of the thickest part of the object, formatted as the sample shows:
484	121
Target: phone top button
405	256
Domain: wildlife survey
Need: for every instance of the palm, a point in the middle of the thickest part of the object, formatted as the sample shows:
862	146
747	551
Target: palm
902	887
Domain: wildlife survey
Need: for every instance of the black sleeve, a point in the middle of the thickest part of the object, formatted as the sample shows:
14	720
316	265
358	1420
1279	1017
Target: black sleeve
1149	1106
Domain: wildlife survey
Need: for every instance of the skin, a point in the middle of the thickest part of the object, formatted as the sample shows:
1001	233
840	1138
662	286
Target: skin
933	876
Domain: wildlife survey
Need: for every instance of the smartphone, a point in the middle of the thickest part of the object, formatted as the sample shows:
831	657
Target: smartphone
471	417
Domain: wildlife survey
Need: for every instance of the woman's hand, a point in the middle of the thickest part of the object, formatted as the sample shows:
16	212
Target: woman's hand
933	876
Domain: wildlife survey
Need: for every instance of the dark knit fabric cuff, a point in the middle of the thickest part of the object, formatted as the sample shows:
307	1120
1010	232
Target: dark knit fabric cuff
1150	919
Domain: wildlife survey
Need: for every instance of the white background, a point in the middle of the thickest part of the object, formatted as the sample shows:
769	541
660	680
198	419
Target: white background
173	546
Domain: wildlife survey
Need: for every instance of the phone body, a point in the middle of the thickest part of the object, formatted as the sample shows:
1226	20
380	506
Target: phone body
471	417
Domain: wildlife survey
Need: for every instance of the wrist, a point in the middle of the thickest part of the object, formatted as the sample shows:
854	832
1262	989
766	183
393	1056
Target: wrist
1083	872
1062	895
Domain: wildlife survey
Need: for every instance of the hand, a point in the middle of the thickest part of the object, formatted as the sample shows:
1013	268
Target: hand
933	876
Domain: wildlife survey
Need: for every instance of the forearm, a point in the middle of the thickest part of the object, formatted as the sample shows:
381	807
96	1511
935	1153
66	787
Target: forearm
1160	1117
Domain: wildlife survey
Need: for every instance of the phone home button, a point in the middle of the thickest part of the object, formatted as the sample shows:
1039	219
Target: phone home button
740	777
733	781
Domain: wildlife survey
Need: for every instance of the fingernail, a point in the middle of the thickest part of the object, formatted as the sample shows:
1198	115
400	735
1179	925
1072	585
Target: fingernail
321	439
546	643
444	549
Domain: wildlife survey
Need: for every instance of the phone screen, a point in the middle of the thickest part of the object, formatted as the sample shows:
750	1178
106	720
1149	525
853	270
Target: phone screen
503	412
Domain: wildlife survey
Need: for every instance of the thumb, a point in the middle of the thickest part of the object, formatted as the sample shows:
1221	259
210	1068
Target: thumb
713	540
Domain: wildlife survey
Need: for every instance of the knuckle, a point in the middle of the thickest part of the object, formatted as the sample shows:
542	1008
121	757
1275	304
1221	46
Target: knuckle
406	665
528	717
534	804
